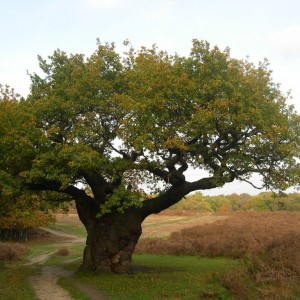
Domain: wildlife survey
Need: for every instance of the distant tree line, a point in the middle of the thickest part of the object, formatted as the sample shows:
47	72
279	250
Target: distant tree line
266	201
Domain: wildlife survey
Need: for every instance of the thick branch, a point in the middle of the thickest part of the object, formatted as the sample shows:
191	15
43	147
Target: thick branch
176	193
158	172
97	184
173	176
75	193
172	196
86	206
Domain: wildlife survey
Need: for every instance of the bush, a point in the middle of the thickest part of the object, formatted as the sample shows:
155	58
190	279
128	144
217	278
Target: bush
63	252
12	251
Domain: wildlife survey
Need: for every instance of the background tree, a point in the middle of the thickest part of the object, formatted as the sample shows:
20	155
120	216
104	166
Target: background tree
128	125
269	201
195	202
20	210
238	201
20	214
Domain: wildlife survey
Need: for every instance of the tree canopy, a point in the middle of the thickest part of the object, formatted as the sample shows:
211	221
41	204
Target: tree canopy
148	116
132	124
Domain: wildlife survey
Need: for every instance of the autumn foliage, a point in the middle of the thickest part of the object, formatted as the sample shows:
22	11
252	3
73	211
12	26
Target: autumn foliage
17	216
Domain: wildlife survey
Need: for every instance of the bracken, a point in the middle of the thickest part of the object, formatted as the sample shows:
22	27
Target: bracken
12	251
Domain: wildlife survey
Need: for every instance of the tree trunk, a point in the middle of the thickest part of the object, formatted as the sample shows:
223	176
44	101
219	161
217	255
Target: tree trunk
111	238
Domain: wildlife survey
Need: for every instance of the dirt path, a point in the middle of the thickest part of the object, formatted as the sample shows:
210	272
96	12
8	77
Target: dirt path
68	241
45	284
71	239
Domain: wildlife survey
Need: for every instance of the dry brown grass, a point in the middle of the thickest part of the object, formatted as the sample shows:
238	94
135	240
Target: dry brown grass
269	243
240	234
164	224
235	283
11	251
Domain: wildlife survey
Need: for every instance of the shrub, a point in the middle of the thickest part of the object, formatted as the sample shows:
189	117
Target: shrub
12	251
234	282
63	252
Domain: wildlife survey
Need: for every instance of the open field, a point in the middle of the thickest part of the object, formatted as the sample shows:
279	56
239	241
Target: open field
155	226
162	225
234	235
246	255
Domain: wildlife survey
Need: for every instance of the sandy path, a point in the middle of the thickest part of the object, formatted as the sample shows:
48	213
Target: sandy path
45	284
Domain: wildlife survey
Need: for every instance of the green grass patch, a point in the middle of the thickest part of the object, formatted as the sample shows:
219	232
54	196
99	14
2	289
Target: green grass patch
161	277
14	283
39	249
182	220
76	253
76	230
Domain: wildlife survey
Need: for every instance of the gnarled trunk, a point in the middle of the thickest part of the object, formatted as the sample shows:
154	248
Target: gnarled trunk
111	238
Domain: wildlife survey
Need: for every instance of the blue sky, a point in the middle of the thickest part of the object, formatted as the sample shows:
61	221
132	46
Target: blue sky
257	29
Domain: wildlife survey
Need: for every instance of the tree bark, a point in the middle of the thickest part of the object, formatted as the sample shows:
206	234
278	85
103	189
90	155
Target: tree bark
111	238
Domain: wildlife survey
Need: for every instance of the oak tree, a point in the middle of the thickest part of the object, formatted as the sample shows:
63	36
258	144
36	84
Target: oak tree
126	126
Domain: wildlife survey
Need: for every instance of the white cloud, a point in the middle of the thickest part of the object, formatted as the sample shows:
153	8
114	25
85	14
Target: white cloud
287	41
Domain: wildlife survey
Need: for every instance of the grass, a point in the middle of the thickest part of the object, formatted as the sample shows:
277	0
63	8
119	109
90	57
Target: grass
268	242
75	253
161	277
247	255
13	274
239	234
162	225
14	284
44	247
78	231
68	285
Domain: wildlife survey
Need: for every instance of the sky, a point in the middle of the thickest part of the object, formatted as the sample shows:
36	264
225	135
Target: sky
256	29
